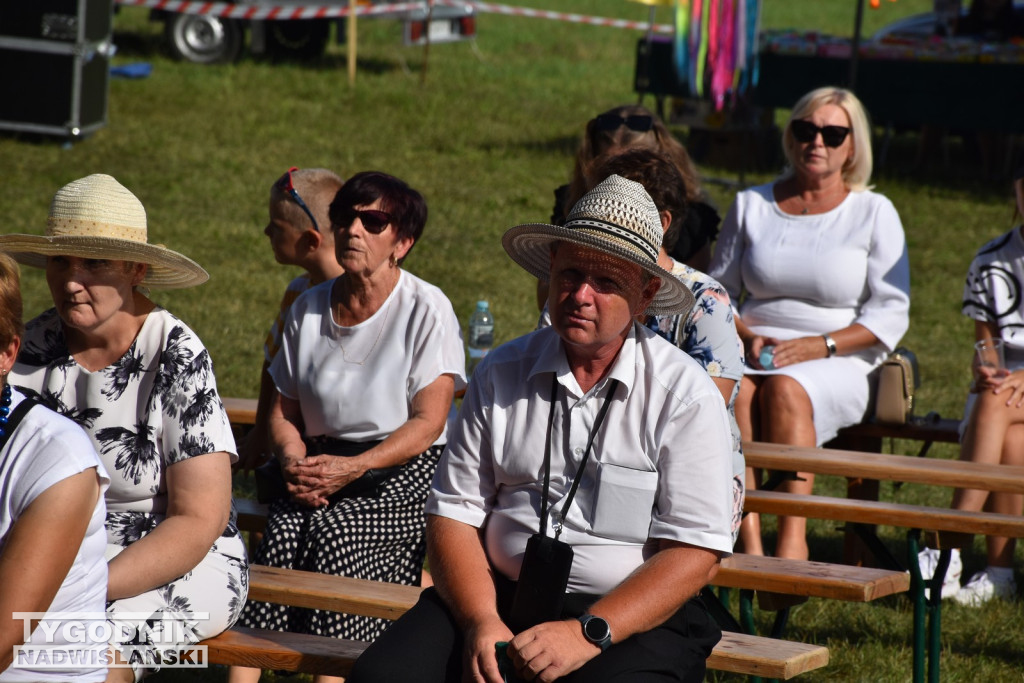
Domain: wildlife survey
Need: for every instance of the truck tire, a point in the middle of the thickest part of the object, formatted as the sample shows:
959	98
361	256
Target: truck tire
203	39
297	39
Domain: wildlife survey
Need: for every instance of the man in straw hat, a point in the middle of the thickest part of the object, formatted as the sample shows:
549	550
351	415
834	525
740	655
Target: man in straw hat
583	499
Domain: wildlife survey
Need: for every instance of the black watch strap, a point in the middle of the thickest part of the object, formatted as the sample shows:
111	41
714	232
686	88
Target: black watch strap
596	630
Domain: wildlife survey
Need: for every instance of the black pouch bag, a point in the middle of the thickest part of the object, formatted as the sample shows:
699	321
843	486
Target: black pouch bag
540	591
544	573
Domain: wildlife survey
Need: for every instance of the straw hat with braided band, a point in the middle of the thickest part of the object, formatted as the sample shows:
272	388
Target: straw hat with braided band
618	218
98	218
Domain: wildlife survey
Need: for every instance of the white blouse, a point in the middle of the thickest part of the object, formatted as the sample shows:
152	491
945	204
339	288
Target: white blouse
357	383
817	273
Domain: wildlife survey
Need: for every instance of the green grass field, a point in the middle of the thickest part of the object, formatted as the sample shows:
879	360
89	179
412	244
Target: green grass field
486	138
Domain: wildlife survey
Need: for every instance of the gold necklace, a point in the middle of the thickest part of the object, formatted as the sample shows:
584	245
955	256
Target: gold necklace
380	332
823	201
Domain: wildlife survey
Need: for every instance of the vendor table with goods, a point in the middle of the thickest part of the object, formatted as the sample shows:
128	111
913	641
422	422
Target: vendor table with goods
957	83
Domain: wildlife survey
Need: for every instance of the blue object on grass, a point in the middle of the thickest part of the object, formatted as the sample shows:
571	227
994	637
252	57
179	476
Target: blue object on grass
134	70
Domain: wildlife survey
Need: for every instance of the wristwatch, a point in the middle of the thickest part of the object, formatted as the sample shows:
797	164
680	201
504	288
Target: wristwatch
830	344
596	630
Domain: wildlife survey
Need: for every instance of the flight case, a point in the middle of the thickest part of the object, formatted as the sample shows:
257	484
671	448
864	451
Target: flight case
55	66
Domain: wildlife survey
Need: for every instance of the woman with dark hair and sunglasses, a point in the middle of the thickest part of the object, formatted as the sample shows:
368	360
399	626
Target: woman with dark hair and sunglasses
819	264
368	366
633	126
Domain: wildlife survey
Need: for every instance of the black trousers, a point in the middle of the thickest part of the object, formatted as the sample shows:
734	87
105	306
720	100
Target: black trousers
425	645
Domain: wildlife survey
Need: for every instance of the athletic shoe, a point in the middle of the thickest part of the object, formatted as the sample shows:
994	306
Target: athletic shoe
928	559
980	589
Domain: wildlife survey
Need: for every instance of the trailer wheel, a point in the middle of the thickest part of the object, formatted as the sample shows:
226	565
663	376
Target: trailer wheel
297	39
203	39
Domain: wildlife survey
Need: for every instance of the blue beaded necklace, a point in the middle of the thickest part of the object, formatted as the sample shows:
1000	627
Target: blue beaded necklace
5	409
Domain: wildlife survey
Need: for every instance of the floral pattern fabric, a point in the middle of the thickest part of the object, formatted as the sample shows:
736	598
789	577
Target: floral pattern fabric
154	407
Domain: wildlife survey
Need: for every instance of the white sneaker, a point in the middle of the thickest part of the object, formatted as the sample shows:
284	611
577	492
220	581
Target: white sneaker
980	589
928	559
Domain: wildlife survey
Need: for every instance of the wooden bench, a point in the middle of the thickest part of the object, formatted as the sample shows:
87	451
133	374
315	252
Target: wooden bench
747	573
736	653
928	430
753	572
954	527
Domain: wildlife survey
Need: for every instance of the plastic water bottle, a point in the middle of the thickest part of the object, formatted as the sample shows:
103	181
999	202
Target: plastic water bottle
767	357
481	334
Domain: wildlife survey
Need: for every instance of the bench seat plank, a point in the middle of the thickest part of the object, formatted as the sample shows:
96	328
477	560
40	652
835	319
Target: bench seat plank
252	515
331	593
389	601
875	512
241	411
766	657
935	471
279	650
810	579
944	430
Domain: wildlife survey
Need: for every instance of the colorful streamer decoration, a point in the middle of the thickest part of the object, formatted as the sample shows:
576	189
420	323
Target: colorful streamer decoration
715	47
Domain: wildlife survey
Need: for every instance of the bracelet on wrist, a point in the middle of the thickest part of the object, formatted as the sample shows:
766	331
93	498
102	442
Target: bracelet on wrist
830	345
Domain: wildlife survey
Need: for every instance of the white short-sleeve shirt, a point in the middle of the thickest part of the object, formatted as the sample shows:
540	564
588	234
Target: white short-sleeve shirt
994	291
659	469
45	449
358	382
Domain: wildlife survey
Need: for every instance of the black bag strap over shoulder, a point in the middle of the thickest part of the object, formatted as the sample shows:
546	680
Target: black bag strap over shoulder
14	419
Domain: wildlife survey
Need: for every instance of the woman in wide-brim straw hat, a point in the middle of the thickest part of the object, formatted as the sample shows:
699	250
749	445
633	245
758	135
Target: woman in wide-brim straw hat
141	384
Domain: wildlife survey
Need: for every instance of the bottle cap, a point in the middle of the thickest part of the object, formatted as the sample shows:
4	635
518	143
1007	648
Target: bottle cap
480	305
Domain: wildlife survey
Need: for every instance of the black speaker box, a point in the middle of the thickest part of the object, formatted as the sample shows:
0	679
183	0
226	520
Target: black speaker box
55	93
72	21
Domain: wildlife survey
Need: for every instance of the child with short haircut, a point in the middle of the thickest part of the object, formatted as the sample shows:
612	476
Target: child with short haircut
300	235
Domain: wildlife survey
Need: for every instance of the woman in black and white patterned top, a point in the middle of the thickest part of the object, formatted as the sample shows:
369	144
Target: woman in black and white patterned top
141	384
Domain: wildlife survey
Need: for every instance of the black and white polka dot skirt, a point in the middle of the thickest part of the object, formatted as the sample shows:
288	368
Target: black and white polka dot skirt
378	538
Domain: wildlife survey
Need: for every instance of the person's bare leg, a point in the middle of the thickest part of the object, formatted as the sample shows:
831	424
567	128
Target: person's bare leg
328	679
788	417
121	674
243	674
999	548
989	422
750	528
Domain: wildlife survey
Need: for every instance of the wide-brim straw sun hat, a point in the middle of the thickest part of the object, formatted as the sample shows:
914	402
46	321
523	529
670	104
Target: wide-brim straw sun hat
97	217
618	218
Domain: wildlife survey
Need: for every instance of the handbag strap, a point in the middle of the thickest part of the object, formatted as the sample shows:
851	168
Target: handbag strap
583	463
14	419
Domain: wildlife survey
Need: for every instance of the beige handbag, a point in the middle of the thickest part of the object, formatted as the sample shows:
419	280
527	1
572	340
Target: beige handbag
897	382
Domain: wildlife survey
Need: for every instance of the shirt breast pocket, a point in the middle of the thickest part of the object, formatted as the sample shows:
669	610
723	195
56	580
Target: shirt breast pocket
624	502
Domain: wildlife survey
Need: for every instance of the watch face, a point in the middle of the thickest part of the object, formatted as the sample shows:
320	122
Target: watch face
596	629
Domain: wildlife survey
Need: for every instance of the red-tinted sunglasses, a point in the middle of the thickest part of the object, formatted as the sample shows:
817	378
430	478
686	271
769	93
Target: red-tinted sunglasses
373	220
289	187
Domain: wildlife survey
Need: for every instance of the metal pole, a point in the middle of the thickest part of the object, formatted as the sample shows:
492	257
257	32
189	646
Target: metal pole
352	42
855	47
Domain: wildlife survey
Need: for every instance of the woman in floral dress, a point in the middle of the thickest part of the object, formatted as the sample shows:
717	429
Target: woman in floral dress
141	384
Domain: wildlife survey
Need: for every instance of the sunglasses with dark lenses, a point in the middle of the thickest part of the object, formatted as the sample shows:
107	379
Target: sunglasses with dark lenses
636	122
805	131
373	220
289	187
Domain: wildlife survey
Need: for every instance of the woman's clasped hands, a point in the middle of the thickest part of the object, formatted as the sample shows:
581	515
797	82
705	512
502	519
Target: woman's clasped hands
311	480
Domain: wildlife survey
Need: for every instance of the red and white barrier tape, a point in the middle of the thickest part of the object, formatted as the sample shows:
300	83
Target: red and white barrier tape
226	10
513	10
